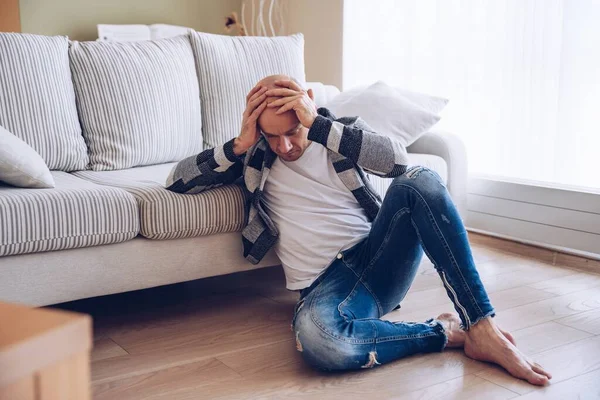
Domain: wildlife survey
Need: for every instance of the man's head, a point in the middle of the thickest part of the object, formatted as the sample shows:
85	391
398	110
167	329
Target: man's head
284	132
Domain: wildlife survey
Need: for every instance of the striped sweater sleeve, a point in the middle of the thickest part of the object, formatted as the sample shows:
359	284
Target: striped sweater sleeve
377	154
211	168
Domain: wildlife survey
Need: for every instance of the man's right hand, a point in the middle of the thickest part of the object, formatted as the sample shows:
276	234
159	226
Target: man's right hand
255	105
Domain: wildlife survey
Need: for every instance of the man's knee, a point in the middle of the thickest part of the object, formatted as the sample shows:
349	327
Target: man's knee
423	180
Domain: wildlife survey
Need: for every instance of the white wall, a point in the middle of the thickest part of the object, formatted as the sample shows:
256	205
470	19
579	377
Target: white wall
78	18
321	22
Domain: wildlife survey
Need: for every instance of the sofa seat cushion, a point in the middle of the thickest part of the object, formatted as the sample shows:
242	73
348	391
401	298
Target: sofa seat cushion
169	215
75	213
435	163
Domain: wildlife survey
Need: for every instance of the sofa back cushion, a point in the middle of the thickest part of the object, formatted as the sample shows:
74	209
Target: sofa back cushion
229	66
138	102
37	101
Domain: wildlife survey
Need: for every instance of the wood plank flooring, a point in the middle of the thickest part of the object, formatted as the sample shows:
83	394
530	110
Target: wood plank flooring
229	337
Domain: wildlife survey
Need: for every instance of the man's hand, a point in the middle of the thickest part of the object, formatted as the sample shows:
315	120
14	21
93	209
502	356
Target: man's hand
293	97
255	105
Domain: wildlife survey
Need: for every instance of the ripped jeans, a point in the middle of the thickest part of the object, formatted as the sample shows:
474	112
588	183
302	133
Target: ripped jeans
337	318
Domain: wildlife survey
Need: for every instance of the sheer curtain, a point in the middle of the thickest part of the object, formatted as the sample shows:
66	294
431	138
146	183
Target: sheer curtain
522	76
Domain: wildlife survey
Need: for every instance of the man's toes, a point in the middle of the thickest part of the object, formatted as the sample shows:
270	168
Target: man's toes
536	379
529	373
538	368
509	337
524	370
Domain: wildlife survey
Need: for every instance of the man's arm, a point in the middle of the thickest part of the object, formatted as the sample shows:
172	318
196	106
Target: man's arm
223	164
375	153
209	169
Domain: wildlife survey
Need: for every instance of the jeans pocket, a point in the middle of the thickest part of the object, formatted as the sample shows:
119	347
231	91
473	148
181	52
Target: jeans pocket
351	256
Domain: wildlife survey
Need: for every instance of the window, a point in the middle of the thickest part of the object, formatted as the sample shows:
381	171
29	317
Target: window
522	76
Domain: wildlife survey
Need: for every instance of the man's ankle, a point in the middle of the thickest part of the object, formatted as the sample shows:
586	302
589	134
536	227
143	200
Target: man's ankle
483	325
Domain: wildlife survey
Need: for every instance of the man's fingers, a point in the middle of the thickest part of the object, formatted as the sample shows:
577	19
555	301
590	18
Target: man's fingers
282	92
256	102
256	96
250	108
252	92
288	106
289	84
284	100
256	113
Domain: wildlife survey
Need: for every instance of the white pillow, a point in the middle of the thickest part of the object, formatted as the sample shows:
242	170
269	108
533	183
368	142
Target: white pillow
386	111
323	93
433	104
20	165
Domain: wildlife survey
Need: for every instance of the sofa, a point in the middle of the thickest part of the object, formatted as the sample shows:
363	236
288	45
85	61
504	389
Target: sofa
109	225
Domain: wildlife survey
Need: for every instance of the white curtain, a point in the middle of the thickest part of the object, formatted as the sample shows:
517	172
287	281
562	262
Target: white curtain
522	76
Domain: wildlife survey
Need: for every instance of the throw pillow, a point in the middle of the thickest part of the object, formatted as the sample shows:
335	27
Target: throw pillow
37	100
323	93
20	165
387	112
138	102
229	66
430	103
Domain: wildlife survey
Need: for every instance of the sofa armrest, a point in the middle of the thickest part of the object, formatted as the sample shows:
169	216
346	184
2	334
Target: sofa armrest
452	149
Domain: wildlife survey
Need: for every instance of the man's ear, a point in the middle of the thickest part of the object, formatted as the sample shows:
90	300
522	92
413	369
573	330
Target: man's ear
310	94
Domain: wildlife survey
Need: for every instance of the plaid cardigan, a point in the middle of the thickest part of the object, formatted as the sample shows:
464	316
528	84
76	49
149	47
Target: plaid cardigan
352	148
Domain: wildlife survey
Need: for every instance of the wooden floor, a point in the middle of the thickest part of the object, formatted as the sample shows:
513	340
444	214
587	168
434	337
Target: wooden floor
229	337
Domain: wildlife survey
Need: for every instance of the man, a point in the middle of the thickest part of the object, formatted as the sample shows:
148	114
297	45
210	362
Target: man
352	256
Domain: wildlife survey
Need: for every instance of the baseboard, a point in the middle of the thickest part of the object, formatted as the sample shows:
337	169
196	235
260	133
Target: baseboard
539	251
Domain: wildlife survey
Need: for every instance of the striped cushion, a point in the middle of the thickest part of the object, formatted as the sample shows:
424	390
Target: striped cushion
37	101
139	102
169	215
229	67
435	163
76	213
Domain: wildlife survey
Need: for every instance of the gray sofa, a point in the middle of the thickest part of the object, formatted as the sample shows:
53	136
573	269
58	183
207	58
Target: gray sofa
103	232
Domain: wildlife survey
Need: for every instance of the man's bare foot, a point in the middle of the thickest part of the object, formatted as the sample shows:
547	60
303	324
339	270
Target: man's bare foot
486	342
451	324
456	336
508	336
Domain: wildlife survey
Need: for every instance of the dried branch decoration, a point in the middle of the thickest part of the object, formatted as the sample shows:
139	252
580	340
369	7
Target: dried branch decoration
232	22
270	10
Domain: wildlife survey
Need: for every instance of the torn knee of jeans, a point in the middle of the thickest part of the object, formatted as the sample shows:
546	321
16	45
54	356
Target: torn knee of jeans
298	343
372	360
414	172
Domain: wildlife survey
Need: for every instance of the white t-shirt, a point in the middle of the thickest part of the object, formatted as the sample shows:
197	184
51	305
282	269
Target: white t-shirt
315	213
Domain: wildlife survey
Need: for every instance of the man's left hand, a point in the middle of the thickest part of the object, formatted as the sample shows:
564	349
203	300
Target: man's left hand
293	97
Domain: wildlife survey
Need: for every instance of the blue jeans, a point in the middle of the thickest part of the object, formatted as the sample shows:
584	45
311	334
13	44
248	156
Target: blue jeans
337	318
